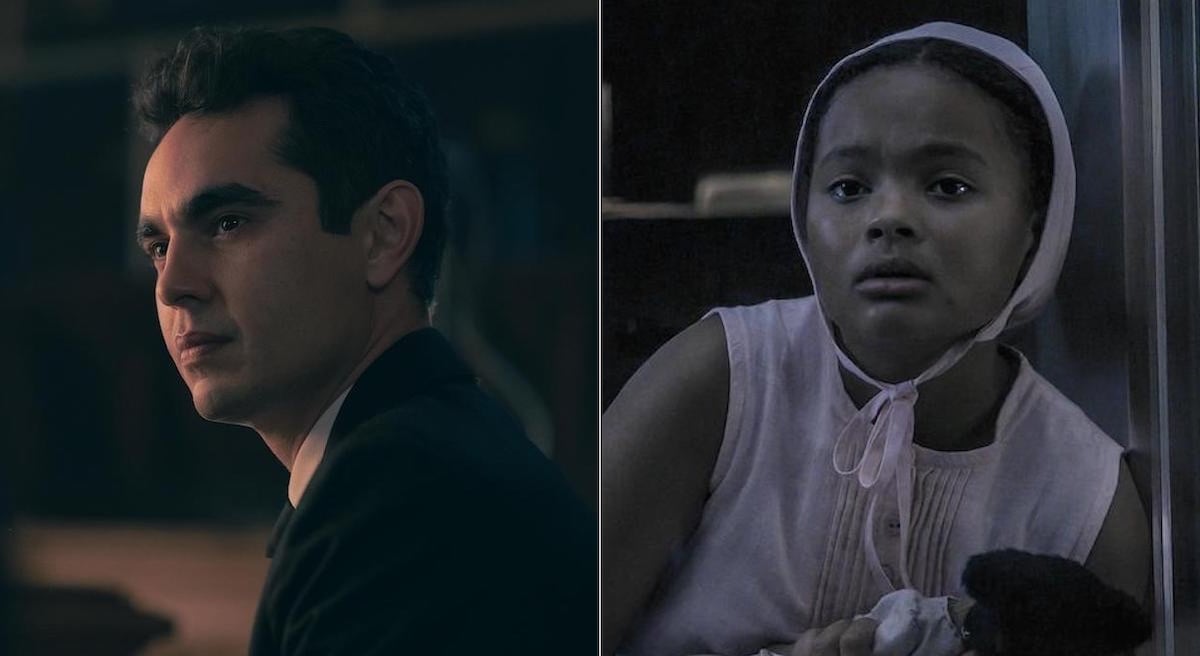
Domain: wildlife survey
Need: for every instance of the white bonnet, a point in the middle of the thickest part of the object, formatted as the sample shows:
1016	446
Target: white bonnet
1036	288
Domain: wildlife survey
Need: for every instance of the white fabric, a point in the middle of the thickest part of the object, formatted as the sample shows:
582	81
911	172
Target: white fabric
911	624
780	547
887	421
312	450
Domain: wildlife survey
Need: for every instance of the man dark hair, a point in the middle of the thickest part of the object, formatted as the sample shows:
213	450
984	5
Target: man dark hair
293	211
354	123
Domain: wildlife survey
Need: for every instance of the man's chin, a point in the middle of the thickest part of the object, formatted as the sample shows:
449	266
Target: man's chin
219	405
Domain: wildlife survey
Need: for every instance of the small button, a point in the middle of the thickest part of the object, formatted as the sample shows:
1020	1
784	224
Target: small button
891	525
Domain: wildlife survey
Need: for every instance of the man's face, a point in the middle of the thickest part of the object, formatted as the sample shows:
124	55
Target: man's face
259	307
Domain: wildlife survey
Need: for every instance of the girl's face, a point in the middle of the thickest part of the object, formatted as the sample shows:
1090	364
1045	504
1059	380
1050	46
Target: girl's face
918	217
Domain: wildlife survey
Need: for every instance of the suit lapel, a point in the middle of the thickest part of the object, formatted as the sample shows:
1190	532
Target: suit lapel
280	524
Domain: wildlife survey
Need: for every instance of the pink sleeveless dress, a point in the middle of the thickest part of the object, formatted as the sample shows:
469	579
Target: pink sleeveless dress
779	547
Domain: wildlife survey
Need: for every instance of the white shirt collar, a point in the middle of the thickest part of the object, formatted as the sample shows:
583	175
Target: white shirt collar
312	450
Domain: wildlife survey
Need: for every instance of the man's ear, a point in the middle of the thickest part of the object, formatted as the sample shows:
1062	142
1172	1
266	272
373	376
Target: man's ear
393	221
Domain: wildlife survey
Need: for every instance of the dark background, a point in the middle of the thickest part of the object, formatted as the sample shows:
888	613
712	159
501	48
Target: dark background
707	86
96	423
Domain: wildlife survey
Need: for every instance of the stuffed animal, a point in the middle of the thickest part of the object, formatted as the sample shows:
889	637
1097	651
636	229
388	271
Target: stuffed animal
1018	604
1035	605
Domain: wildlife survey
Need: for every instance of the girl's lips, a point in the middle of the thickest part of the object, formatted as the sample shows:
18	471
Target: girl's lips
891	287
896	267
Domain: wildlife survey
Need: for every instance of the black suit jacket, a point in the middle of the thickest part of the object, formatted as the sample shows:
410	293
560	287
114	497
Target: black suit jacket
432	524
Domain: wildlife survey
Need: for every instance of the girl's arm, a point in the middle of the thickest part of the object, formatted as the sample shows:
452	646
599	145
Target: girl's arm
1121	555
660	439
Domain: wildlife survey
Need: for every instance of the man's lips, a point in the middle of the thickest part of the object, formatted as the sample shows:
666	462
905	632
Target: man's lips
196	344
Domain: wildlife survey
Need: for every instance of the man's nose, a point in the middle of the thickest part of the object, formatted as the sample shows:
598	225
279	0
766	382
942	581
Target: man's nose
184	276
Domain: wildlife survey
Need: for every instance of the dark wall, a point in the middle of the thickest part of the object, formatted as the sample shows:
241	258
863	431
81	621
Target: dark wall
659	276
707	86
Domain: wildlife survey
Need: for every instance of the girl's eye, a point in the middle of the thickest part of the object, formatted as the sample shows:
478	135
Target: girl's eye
950	188
847	190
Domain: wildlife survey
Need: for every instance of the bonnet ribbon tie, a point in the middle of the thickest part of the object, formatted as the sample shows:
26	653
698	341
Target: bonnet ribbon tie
887	421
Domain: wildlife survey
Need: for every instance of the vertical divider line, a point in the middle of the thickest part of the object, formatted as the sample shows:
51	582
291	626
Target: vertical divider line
1152	84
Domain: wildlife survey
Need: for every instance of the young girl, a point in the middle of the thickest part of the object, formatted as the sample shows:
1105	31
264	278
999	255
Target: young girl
774	470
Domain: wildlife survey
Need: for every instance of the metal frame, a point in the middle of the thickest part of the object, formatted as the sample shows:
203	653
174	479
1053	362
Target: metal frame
1151	45
1145	300
1163	295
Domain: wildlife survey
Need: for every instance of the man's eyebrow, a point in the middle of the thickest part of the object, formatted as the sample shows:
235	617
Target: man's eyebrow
205	202
147	228
212	198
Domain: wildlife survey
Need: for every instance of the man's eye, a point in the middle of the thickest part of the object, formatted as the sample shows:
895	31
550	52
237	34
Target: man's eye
846	190
950	188
229	223
157	250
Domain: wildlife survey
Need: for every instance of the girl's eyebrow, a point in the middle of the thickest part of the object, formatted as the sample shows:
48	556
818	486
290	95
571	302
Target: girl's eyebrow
927	150
954	149
850	152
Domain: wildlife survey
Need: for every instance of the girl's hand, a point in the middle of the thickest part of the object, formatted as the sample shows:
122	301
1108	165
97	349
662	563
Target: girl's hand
842	638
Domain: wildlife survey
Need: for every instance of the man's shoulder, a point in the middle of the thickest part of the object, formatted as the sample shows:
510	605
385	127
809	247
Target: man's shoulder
455	426
433	509
413	486
454	450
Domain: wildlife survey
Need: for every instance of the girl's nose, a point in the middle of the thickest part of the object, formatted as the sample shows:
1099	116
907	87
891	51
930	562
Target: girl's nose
894	216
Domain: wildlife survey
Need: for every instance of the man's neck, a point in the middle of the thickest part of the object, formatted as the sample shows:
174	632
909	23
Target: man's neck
284	431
